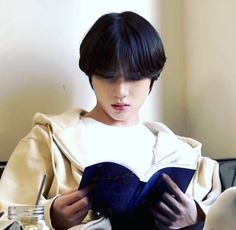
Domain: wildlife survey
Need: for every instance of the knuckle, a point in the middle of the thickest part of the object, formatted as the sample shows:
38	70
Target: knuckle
85	202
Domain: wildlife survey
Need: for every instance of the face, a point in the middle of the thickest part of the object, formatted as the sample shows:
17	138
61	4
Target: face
118	101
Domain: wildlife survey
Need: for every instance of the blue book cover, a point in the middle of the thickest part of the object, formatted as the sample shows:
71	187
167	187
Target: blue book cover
118	190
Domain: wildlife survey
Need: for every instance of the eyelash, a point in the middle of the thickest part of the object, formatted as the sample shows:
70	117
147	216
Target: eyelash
113	79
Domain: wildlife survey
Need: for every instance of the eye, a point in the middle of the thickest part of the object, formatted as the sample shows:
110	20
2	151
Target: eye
108	75
107	78
132	76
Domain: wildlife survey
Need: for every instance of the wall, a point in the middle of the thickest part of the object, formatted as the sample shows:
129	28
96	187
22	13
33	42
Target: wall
39	51
195	96
199	96
174	103
211	74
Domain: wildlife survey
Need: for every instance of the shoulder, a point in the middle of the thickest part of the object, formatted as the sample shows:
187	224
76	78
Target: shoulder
165	134
170	147
58	121
156	127
207	163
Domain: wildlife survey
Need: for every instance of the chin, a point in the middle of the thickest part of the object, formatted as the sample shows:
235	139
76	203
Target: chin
126	121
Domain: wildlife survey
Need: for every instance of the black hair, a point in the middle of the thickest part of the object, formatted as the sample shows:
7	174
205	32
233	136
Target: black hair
122	44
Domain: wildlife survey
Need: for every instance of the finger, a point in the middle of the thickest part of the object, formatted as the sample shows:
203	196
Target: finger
77	217
171	202
173	187
80	205
72	197
163	216
84	191
166	210
72	217
68	208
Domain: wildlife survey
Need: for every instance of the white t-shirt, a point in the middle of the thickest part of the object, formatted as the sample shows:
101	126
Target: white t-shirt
131	146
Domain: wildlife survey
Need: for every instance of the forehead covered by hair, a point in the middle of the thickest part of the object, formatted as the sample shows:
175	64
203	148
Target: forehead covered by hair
122	44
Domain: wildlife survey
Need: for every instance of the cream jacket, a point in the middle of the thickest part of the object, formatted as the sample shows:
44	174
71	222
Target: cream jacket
222	214
52	147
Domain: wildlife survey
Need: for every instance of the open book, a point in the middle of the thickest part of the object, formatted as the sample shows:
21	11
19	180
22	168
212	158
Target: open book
118	190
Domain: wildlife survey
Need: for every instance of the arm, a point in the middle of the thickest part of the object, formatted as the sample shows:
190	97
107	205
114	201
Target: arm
28	163
31	159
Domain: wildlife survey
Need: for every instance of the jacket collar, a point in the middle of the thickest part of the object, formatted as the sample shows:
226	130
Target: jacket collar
66	132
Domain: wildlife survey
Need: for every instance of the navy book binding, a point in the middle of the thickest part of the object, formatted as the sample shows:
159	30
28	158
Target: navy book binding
118	190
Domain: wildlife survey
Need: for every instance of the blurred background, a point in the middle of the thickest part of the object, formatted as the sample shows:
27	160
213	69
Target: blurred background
195	95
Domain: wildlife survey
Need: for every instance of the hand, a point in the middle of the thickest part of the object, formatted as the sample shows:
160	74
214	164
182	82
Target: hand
70	209
176	209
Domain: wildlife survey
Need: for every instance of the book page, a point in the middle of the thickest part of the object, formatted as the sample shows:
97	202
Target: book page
179	164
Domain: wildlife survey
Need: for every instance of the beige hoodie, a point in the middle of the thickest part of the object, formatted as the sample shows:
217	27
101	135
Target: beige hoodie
52	147
222	214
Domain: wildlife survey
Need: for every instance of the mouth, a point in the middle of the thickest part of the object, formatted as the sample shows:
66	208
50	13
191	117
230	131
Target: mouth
120	106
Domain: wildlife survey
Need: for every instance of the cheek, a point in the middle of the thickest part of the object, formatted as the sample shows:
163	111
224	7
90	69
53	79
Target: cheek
142	91
102	94
140	97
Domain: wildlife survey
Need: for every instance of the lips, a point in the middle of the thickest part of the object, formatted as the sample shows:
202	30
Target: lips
120	106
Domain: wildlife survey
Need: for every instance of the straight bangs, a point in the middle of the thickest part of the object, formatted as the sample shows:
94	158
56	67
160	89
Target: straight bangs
120	61
131	56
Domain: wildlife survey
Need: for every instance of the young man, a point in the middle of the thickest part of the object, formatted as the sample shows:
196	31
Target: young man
122	55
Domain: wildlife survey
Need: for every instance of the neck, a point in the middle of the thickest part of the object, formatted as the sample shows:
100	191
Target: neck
108	120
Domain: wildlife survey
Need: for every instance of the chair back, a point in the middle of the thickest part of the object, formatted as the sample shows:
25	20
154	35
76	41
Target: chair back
227	172
2	167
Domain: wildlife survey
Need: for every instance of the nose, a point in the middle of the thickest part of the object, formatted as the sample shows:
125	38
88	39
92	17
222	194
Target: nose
120	89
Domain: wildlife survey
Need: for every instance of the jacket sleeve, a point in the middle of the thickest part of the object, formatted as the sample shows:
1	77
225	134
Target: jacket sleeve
21	179
36	155
206	186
